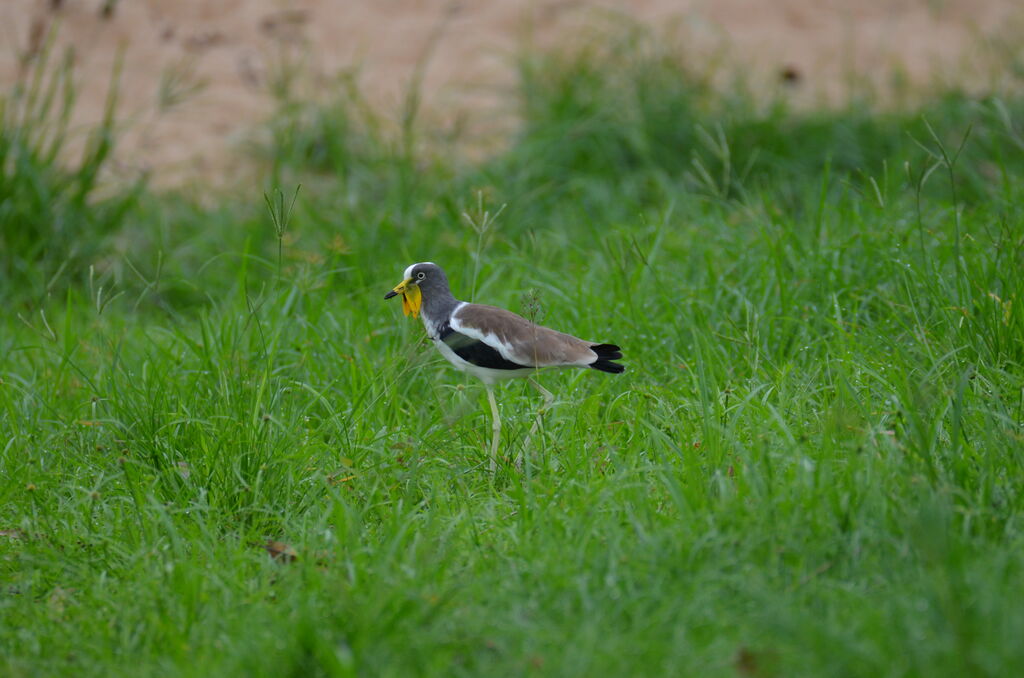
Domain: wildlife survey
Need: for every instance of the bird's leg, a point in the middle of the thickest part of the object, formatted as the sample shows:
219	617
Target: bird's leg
495	429
548	399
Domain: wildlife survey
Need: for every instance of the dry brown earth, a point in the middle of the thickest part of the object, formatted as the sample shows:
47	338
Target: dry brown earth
197	73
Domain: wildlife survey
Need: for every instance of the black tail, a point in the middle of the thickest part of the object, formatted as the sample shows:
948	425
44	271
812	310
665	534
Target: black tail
606	353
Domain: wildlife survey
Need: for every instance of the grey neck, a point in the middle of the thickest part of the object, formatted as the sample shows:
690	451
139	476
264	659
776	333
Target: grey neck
438	306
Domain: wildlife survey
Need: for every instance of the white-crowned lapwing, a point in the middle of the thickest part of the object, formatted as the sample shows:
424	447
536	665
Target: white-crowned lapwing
492	343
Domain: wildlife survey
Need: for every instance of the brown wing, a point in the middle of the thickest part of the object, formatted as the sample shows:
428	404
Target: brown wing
519	340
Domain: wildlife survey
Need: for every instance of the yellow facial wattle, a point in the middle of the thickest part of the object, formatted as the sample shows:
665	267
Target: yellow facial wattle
412	299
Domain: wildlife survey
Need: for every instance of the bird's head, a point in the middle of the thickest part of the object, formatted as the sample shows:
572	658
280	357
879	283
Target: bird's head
417	281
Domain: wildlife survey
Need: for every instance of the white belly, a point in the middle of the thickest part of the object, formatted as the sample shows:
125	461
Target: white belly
485	374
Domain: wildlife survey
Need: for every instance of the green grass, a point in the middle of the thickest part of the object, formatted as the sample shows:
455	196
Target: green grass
813	465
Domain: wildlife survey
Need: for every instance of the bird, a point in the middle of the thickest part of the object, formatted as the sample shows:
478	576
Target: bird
493	344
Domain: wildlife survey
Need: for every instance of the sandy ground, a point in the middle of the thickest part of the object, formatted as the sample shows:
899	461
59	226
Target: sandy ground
198	74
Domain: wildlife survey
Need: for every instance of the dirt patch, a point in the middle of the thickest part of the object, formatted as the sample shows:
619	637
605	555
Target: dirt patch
198	75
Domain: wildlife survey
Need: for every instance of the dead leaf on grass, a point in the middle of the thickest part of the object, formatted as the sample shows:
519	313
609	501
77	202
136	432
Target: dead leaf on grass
755	663
338	478
280	551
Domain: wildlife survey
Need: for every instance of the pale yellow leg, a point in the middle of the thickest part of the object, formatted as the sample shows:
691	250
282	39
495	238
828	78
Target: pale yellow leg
548	399
495	429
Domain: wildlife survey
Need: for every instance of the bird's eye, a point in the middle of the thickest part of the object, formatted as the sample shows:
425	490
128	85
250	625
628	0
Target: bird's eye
421	275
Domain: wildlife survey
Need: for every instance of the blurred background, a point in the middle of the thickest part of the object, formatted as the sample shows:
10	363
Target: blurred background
197	77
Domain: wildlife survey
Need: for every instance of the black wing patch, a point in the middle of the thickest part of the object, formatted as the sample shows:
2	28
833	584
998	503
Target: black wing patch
476	352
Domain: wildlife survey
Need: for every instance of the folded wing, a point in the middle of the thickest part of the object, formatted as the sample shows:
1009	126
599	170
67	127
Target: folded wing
483	331
476	351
